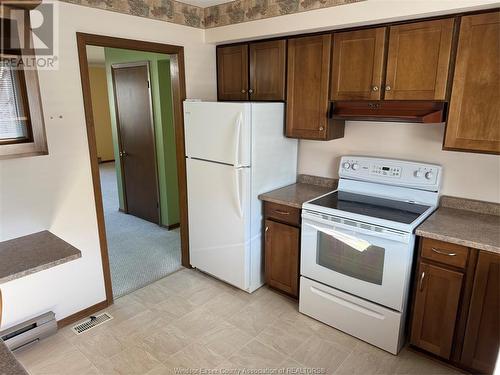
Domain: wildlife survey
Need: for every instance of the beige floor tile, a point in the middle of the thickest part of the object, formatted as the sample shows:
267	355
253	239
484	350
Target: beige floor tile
98	344
132	360
368	359
70	361
125	307
225	339
164	343
194	356
285	337
227	304
255	355
132	330
152	295
318	353
195	324
163	326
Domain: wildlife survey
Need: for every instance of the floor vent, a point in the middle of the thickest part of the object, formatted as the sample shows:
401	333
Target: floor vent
92	322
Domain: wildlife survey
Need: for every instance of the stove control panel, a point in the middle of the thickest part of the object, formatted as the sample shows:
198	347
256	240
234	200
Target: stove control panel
391	171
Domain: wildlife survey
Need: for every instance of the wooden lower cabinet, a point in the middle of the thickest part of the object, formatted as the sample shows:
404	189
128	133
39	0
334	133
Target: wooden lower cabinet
436	308
482	333
282	257
455	312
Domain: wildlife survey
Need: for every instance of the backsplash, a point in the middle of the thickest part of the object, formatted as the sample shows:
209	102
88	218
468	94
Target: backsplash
218	15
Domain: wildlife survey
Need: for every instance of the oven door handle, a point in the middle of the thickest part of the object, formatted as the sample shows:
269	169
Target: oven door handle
352	241
339	228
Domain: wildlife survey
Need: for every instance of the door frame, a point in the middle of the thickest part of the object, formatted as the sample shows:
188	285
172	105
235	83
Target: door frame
118	131
178	96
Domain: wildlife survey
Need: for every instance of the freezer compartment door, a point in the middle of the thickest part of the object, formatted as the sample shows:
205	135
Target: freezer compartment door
218	132
219	220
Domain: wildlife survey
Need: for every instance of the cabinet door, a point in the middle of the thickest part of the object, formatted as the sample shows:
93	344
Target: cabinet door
267	70
307	86
282	257
435	309
418	60
474	115
482	334
357	64
232	72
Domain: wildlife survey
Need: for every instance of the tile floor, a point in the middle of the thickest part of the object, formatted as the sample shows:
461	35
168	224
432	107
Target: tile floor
189	320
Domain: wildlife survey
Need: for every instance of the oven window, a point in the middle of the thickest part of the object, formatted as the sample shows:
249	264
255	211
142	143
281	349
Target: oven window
343	257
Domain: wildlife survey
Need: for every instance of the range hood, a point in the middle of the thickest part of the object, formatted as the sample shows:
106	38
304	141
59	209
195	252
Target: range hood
417	111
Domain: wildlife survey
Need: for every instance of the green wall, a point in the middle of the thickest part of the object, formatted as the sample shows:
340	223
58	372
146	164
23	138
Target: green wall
161	93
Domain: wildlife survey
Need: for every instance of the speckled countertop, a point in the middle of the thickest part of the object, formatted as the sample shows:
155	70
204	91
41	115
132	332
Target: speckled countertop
464	222
306	188
33	253
9	365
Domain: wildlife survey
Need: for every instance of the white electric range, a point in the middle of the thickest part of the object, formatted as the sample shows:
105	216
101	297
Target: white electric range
358	245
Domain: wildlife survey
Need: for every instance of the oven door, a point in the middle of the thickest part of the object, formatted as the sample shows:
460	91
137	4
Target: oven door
368	261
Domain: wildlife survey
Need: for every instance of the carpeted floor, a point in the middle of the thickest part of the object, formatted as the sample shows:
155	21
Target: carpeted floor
140	252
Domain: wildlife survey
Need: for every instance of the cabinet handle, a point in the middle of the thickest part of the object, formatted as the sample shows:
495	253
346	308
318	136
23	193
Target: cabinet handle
375	88
443	252
388	88
267	228
281	212
421	287
250	91
243	91
321	128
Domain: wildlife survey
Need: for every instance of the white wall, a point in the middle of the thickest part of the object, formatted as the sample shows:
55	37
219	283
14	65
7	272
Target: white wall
470	175
357	14
55	192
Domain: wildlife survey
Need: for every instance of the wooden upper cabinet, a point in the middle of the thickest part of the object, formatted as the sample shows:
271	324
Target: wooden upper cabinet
357	65
482	334
418	60
474	114
232	72
435	309
307	86
267	70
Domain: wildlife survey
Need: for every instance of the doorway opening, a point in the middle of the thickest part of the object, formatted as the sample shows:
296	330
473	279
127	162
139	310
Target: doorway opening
133	93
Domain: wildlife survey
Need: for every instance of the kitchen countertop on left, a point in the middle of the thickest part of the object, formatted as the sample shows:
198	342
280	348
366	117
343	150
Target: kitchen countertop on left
9	365
306	188
33	253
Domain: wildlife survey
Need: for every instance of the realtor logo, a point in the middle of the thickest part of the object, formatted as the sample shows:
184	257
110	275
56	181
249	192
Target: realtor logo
30	36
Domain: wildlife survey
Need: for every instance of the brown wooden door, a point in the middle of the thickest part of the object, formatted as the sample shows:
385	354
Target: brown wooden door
482	335
474	115
136	135
307	86
418	60
232	72
357	64
435	309
282	257
267	70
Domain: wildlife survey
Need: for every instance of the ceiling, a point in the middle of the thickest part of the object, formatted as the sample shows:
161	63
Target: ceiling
204	3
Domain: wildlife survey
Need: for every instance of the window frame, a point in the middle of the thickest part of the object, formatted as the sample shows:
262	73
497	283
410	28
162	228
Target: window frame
37	142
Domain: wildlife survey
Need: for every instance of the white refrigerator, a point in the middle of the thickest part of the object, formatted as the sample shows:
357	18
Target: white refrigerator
234	152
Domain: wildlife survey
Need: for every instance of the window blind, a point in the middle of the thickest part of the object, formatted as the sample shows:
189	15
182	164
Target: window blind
13	121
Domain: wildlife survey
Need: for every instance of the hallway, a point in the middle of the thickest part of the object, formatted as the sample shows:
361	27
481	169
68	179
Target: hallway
140	252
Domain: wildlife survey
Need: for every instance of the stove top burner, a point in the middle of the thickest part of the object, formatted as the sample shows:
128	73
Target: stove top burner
387	209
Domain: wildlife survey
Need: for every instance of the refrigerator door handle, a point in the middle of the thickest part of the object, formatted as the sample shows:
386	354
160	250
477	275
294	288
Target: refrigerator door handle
237	191
237	135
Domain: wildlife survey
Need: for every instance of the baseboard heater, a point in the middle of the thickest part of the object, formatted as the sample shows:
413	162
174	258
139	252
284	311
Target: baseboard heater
30	331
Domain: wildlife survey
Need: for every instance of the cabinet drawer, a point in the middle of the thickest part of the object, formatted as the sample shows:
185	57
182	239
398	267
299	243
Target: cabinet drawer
444	252
283	213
